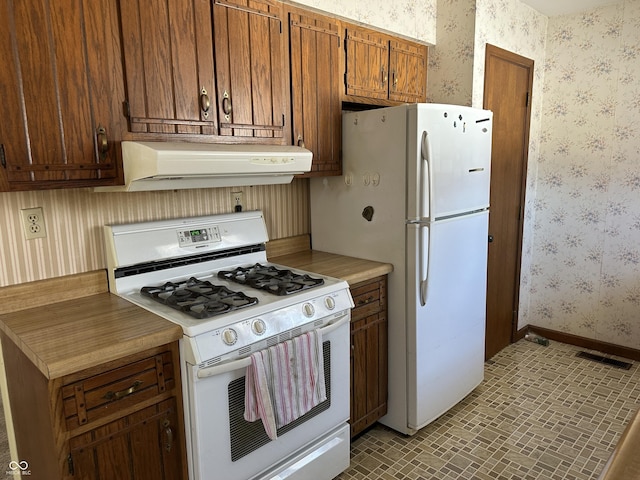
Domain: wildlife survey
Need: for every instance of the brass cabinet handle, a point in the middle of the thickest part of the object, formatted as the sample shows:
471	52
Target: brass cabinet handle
205	104
112	396
365	300
300	141
3	158
169	434
226	105
384	77
102	141
395	79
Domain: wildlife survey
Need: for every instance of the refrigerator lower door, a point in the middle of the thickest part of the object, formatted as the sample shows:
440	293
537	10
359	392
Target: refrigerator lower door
446	335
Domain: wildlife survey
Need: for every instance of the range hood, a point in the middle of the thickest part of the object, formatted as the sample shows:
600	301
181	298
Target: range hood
174	165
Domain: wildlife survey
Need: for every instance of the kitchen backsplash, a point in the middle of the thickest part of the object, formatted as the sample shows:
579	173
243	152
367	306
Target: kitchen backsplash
74	220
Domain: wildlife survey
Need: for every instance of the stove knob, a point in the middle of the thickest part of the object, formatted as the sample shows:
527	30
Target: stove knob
308	310
330	303
229	336
258	327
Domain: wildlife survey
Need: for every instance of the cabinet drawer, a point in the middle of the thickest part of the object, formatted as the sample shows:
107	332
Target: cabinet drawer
368	297
99	395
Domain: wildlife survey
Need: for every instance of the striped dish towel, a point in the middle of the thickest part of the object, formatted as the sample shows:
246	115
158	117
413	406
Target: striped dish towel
285	381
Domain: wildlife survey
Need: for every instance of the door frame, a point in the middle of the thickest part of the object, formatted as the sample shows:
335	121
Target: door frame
492	52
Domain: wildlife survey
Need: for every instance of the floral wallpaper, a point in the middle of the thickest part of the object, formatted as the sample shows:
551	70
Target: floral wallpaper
456	75
585	273
410	18
514	26
450	68
581	247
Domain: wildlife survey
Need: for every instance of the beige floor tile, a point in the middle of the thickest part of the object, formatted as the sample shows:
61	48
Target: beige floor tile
541	414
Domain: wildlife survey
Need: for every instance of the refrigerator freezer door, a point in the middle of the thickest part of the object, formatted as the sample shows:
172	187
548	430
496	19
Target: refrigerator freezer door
456	154
445	337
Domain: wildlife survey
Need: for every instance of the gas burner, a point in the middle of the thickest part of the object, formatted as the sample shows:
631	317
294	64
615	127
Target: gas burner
199	298
271	279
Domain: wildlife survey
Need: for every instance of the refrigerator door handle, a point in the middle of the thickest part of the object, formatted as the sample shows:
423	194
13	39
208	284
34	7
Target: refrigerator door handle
427	177
425	251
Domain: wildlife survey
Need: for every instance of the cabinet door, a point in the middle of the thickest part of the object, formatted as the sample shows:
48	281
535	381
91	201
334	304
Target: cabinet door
250	68
168	55
61	80
315	89
408	70
140	446
367	63
368	354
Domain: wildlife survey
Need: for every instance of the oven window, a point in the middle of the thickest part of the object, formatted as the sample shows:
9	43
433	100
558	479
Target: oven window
247	437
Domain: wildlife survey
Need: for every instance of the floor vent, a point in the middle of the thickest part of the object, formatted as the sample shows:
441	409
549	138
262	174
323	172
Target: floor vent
608	361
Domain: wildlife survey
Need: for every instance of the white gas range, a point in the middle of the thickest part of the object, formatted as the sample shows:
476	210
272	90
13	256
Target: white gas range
211	276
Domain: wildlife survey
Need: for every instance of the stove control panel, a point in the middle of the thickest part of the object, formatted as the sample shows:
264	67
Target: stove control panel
194	236
229	336
252	334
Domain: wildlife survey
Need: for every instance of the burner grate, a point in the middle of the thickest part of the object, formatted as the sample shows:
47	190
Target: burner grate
271	279
198	298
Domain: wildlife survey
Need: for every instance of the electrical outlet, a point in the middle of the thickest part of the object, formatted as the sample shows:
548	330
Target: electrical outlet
33	222
236	199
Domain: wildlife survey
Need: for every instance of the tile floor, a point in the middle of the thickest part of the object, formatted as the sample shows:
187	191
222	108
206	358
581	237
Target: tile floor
541	413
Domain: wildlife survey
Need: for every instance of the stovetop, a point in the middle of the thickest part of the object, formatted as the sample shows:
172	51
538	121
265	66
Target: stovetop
203	299
199	298
272	279
211	276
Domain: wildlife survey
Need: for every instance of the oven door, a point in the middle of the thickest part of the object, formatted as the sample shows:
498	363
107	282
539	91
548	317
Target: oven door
224	445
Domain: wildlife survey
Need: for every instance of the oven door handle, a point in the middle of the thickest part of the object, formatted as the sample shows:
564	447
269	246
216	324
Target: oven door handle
245	362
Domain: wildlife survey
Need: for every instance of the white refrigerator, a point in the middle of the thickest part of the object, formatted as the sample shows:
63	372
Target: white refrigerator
415	193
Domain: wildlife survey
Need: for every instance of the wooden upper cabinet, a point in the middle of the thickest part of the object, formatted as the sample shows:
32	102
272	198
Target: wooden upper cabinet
408	71
315	58
381	69
61	89
367	63
251	74
168	53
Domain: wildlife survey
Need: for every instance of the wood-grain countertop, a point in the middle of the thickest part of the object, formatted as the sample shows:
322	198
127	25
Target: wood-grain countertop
624	463
63	337
74	323
353	270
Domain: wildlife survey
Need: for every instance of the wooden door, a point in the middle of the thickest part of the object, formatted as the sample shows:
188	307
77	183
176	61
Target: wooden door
315	89
408	72
141	446
250	68
507	92
61	79
168	52
367	63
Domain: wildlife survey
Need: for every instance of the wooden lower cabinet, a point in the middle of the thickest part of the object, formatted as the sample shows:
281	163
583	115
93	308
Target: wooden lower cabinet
119	420
368	353
142	445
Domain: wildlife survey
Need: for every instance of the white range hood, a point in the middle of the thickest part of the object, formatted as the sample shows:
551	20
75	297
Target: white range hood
174	165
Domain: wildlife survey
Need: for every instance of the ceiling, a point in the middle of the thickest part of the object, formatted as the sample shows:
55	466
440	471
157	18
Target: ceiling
552	8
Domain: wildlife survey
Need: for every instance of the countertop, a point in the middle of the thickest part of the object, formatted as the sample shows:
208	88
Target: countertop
624	463
74	323
353	270
64	337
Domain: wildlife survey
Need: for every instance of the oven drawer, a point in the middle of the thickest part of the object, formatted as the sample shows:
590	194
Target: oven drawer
97	396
